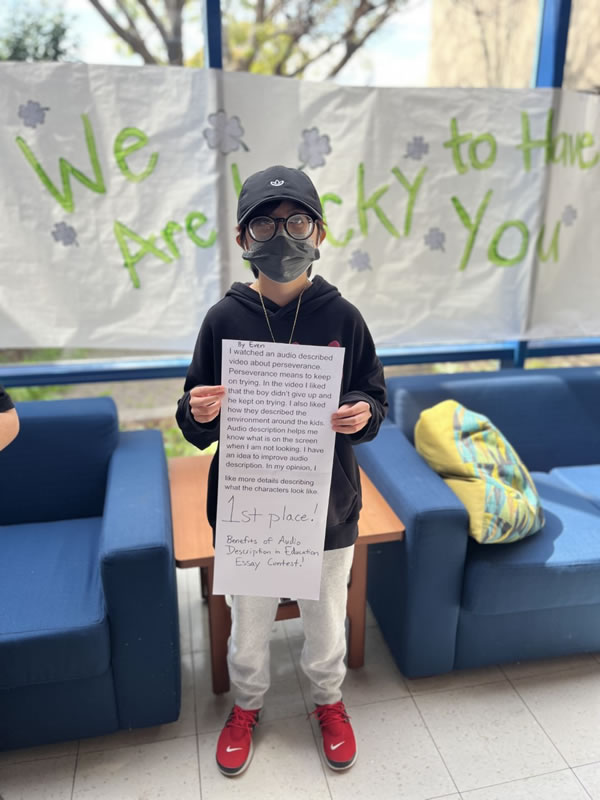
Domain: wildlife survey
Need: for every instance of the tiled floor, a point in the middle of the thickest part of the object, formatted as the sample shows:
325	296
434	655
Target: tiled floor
518	732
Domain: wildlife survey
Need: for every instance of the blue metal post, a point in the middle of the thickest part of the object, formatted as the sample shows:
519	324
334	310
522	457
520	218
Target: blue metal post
554	30
548	71
212	34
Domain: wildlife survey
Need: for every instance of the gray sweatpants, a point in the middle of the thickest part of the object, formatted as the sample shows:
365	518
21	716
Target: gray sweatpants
322	658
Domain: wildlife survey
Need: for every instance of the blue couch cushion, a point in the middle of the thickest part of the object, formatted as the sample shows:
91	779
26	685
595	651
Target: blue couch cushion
61	458
53	625
550	416
582	479
558	567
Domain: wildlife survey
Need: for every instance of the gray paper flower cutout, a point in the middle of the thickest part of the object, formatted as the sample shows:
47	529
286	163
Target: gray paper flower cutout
65	233
32	113
360	261
226	133
417	148
435	239
313	148
569	215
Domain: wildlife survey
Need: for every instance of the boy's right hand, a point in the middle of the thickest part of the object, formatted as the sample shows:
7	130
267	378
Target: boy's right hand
205	402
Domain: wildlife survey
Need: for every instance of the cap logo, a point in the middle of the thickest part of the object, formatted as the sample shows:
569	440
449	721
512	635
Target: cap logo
277	183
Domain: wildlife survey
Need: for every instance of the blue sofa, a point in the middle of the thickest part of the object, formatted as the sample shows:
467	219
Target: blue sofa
89	639
445	602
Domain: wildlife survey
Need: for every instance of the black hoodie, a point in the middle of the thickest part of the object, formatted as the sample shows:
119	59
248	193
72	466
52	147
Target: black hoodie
5	402
325	318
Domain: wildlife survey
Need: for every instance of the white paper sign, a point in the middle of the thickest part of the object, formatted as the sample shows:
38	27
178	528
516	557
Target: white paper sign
275	460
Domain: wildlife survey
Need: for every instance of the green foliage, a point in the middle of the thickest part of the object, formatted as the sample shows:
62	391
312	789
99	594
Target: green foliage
26	393
42	355
284	37
276	37
45	354
465	366
176	445
34	35
263	47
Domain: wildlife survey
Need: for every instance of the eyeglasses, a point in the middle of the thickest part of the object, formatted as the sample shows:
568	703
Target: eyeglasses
298	226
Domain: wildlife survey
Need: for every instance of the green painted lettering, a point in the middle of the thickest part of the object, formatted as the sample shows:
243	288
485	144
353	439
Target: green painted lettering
66	169
412	190
454	143
552	251
121	152
472	227
237	183
193	221
371	203
122	234
528	144
586	140
170	229
491	142
493	254
560	147
334	198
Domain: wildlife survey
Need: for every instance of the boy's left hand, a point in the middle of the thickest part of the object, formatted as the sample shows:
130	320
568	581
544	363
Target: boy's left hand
351	417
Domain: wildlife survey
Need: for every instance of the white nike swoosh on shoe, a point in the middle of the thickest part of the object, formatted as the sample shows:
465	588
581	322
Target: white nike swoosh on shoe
335	746
231	749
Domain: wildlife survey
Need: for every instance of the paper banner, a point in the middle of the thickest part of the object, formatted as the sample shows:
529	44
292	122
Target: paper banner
453	215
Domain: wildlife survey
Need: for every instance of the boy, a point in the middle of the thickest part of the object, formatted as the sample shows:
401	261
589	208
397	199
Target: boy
280	226
9	421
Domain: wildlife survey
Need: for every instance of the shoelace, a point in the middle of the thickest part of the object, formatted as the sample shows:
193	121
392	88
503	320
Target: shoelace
239	718
330	714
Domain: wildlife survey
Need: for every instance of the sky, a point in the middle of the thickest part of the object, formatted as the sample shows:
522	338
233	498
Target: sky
395	56
398	55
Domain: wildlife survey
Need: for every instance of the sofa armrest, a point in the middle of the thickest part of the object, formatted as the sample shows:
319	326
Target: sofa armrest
138	576
415	585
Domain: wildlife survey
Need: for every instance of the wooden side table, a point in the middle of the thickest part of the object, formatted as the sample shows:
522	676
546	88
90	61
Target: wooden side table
194	548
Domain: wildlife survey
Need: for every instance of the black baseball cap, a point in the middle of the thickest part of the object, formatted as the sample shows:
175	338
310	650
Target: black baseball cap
277	183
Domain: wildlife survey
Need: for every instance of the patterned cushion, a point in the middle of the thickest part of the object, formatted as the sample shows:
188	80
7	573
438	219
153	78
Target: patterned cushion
483	470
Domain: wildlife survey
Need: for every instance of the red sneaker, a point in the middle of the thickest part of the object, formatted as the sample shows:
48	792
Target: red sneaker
234	748
339	744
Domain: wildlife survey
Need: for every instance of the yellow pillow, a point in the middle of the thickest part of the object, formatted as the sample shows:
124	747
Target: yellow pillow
483	470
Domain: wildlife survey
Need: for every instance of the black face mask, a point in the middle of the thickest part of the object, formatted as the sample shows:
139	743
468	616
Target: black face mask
282	258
